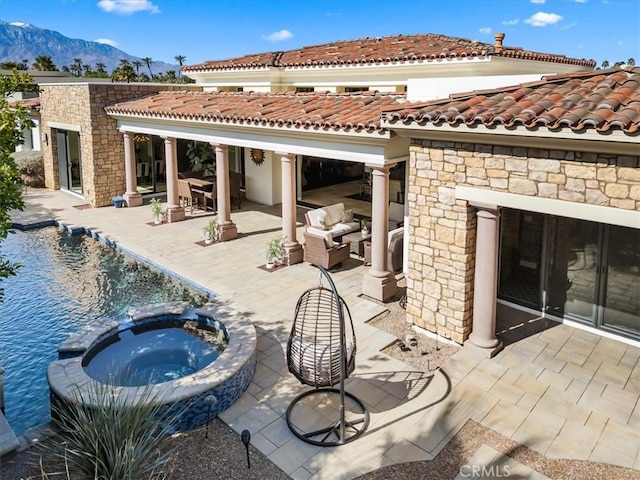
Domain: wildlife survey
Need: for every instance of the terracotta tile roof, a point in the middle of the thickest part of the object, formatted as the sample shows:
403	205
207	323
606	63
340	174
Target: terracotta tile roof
603	100
31	103
339	111
381	50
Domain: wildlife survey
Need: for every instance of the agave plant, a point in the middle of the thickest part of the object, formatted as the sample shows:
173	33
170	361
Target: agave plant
116	438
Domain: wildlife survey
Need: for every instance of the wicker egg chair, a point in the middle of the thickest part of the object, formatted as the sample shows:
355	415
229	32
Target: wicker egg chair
321	353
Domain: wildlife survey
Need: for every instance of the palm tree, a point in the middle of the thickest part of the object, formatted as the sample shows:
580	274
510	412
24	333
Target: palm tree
148	62
44	63
76	67
101	68
137	64
180	59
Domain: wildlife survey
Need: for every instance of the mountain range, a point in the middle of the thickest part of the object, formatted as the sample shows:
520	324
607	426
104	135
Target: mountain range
19	41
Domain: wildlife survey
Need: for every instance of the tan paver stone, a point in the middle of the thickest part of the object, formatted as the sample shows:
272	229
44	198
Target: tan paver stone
578	372
630	357
549	362
575	390
528	401
405	451
276	433
505	418
526	383
506	391
292	454
613	374
621	438
610	351
622	397
574	441
574	351
546	419
534	436
557	335
605	454
554	379
301	474
259	441
255	419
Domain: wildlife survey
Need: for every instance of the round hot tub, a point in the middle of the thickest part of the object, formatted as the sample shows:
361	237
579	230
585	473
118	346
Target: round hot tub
174	354
156	352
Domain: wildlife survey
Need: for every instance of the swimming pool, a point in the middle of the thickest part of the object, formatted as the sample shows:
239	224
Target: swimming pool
66	281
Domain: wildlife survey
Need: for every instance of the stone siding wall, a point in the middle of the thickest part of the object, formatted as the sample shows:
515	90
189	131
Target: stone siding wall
442	229
102	146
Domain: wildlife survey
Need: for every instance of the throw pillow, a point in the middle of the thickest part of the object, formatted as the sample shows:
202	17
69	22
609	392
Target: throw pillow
347	216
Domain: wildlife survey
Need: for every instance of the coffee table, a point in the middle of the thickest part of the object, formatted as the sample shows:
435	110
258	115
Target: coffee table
357	242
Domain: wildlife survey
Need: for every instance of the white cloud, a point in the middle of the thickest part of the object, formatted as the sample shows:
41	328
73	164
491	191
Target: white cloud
570	25
485	30
580	1
279	36
510	22
20	24
107	41
538	1
127	7
542	19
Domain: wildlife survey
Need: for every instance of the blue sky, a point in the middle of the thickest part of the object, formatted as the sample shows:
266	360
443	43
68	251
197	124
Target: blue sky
216	29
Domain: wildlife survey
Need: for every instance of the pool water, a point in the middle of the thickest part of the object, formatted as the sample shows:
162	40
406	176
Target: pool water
65	282
153	353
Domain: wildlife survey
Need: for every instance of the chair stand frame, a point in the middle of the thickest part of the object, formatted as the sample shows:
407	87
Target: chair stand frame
344	431
340	430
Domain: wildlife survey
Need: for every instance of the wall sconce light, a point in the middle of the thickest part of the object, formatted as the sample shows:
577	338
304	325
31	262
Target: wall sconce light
45	138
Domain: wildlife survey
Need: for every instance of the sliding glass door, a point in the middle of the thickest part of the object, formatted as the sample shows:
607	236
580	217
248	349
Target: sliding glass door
572	269
69	160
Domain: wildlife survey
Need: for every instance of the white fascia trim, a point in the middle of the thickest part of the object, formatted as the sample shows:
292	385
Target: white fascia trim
551	206
413	130
318	145
65	126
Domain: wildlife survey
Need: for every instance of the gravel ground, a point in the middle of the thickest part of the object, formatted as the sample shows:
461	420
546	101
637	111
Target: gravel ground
223	456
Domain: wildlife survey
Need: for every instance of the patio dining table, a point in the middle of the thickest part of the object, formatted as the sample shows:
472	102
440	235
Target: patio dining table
201	184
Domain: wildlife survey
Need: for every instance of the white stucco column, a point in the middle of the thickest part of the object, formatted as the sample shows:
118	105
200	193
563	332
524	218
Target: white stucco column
289	224
131	195
228	229
378	282
174	210
485	286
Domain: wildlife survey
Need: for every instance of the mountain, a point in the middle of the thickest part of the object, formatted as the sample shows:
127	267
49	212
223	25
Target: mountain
20	41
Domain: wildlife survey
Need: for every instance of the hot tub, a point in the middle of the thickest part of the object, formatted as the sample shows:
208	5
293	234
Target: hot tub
169	352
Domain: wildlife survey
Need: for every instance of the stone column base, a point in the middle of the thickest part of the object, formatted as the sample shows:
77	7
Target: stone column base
228	231
175	214
294	253
379	287
133	199
486	352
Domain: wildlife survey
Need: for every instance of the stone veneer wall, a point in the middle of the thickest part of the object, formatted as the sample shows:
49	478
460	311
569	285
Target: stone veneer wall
101	145
442	229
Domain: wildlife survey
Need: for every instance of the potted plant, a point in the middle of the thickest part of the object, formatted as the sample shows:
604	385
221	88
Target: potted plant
365	225
275	251
211	231
118	201
156	210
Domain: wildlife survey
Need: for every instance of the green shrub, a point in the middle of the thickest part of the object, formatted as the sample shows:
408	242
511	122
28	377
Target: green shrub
116	438
31	167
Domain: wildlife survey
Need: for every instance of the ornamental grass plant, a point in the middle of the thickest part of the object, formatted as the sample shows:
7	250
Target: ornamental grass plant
117	437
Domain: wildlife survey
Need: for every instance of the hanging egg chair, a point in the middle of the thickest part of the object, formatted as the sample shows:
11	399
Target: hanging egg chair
321	353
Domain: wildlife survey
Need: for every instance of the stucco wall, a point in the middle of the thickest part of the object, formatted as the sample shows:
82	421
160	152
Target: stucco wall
441	253
102	146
